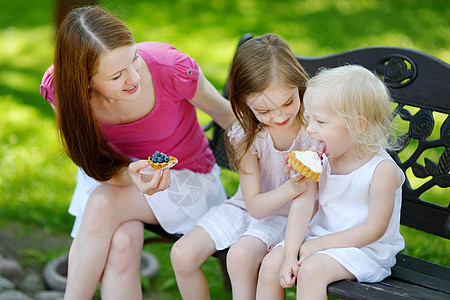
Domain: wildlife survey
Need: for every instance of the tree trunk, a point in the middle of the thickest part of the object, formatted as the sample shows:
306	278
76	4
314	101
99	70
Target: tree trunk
65	6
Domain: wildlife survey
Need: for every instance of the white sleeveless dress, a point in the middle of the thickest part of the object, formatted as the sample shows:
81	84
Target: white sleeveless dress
344	203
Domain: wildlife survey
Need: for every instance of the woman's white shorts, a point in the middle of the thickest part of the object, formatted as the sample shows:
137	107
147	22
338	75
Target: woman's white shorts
177	208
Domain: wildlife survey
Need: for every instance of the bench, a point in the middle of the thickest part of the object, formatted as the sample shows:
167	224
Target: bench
420	88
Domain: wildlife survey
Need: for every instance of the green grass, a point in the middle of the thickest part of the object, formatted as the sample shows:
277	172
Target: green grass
37	178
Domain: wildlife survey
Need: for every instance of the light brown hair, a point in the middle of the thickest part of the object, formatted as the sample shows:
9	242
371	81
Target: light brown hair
82	37
258	63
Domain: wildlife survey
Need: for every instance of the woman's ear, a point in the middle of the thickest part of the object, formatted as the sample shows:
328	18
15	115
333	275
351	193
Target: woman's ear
362	121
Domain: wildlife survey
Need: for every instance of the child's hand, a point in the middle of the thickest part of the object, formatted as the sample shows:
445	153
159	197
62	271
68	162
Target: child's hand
288	273
299	180
288	170
148	184
308	248
287	167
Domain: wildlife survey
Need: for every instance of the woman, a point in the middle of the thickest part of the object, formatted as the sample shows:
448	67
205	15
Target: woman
116	102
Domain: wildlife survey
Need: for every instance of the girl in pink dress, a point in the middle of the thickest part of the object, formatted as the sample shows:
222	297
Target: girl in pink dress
266	89
117	102
354	233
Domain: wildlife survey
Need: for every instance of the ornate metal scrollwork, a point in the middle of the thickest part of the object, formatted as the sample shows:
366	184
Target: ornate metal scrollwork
421	124
443	168
445	132
397	70
438	171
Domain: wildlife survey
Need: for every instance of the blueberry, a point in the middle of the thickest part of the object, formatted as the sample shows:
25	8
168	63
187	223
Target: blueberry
159	157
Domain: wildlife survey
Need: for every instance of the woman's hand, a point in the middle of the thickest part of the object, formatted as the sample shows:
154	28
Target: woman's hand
288	273
148	183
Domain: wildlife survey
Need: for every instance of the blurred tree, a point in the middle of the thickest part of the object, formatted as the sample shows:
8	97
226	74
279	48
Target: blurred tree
64	6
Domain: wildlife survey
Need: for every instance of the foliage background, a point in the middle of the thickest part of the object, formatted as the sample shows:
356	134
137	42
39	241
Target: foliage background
37	179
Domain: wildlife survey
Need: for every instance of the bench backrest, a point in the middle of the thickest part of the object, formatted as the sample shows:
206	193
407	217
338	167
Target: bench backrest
420	87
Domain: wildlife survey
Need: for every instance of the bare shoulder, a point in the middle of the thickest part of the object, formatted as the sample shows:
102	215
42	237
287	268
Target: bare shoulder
387	173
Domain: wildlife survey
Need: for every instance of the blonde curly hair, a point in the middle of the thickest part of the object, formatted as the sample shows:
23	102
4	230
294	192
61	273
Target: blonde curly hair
353	91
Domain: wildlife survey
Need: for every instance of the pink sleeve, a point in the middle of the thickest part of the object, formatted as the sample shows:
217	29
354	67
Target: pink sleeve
236	133
47	86
185	75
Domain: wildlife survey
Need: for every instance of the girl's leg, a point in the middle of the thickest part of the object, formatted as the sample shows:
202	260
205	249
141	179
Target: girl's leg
243	261
269	280
187	256
107	208
316	273
121	278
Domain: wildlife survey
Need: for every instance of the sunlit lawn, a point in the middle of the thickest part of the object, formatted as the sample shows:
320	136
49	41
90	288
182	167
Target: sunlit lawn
37	179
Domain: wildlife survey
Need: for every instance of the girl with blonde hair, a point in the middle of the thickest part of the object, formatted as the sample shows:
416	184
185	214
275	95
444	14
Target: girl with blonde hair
354	233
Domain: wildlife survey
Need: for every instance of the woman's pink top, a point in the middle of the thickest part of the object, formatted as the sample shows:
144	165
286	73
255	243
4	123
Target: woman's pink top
172	126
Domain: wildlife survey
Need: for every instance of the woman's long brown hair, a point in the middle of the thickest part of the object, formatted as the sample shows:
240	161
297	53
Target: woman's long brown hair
82	37
257	63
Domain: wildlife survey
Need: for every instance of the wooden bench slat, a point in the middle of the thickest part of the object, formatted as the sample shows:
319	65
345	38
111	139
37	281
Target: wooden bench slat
424	216
387	289
415	290
420	279
352	290
424	267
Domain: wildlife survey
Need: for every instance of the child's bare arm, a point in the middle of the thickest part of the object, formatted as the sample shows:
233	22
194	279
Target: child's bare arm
299	217
260	205
384	184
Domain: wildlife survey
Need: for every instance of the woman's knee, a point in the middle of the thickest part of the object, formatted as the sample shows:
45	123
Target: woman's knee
100	203
102	208
126	246
128	238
